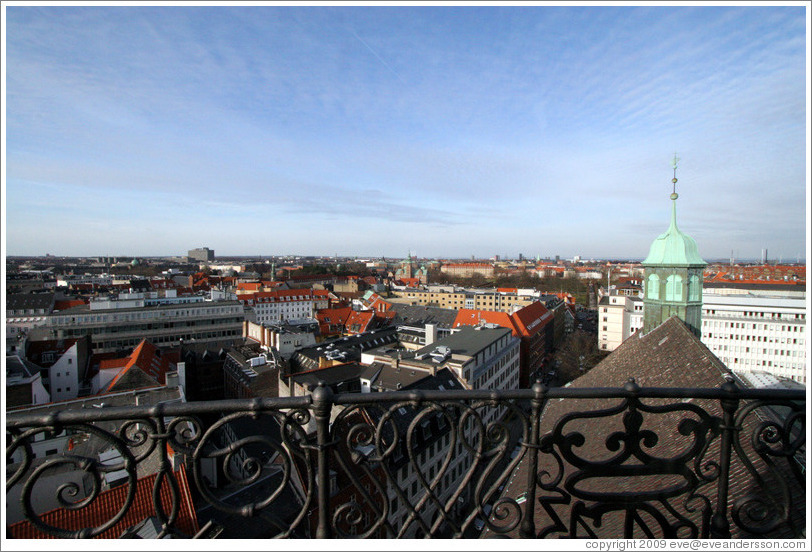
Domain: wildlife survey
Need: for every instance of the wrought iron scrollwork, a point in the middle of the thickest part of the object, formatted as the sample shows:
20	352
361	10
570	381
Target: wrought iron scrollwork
577	463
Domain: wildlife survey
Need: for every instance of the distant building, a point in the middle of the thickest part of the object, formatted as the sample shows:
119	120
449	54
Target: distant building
116	329
450	297
202	254
24	312
748	331
467	270
292	306
284	339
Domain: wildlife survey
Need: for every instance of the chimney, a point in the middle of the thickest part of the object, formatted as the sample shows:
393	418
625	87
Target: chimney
181	372
172	379
431	333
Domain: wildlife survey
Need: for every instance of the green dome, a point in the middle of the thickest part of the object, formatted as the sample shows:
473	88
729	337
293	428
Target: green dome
674	248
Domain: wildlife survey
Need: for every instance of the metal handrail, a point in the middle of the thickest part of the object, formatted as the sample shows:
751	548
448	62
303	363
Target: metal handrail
629	461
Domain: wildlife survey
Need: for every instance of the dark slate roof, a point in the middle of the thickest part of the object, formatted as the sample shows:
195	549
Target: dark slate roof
28	301
20	367
665	357
35	350
352	345
468	341
395	379
331	375
419	315
668	356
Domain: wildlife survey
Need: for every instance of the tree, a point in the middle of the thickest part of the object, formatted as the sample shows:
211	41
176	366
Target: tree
578	354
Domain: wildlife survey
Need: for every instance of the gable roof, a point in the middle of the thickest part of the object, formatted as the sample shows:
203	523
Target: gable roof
149	361
130	378
670	355
531	319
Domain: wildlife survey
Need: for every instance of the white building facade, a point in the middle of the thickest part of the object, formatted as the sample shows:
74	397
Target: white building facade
293	306
757	334
619	316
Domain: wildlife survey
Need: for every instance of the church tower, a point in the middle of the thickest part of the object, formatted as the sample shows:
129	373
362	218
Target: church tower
673	276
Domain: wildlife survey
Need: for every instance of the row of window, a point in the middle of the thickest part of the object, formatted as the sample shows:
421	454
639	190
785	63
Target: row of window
757	338
755	314
165	339
764	351
143	315
750	326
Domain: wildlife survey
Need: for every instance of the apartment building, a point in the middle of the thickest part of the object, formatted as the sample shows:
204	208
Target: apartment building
113	329
757	334
619	316
449	297
485	357
292	306
467	270
482	357
203	254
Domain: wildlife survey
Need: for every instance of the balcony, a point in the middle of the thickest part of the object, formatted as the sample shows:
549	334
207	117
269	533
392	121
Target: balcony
625	462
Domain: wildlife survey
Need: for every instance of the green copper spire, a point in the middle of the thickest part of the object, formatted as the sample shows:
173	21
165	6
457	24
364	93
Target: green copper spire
674	248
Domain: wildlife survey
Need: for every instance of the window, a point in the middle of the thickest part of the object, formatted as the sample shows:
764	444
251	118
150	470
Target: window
653	287
673	288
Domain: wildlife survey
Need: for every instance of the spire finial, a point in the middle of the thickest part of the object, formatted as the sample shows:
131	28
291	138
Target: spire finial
674	180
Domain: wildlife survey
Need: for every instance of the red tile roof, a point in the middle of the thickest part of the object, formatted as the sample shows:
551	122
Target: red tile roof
279	295
531	319
249	286
69	304
108	503
471	317
145	356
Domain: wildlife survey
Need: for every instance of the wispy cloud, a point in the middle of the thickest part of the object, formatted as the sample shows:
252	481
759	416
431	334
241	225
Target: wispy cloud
467	120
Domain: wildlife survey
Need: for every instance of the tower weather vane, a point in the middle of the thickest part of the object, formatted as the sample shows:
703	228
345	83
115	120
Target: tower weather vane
674	180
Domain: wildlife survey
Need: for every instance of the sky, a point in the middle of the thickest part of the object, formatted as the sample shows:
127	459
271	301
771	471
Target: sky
444	131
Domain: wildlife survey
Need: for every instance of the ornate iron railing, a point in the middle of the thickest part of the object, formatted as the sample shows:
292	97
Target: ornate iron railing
541	462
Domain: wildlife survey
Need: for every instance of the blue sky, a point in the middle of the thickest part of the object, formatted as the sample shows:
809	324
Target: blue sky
447	131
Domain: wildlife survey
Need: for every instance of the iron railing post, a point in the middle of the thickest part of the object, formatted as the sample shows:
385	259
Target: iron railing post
720	526
528	527
322	407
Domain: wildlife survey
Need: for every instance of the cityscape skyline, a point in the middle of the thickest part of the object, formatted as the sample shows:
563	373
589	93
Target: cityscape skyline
375	131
